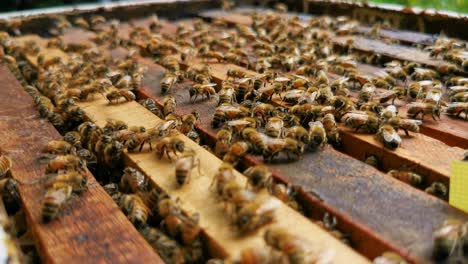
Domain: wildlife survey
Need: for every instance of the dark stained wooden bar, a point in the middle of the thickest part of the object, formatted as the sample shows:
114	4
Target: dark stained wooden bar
89	227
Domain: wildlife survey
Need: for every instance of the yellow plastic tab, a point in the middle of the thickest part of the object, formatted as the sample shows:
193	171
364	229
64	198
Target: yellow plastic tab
459	185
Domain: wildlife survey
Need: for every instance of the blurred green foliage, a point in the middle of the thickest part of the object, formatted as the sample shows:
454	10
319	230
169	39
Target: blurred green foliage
460	6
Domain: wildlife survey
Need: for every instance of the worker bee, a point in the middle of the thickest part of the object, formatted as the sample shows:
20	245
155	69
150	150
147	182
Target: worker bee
274	127
236	126
135	209
171	63
223	142
367	92
184	165
456	109
263	111
5	166
188	122
169	105
438	189
166	247
254	214
226	112
169	80
421	74
111	153
236	151
406	124
258	176
224	175
331	129
114	96
416	108
54	199
450	239
133	181
459	97
76	180
274	146
453	90
291	246
169	144
227	95
447	68
255	138
81	22
65	162
202	90
217	55
236	73
150	104
113	125
358	120
388	136
397	92
409	177
298	133
317	135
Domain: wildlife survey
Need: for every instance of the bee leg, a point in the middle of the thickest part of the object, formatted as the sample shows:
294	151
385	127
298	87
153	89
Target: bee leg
433	117
406	132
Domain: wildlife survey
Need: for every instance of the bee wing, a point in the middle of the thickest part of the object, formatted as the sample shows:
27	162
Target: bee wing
414	121
244	80
391	136
167	124
434	95
392	108
300	77
209	84
282	79
238	122
315	123
268	206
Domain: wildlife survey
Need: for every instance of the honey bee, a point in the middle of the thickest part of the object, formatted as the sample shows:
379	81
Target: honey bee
227	95
253	214
65	162
447	68
169	144
456	109
114	96
388	136
405	124
236	151
188	122
202	90
136	210
223	142
459	97
298	133
111	153
133	181
171	63
317	135
258	177
421	74
274	146
54	199
150	104
291	246
81	22
416	108
407	176
236	73
263	111
113	190
450	239
224	175
166	247
255	138
169	80
5	166
437	189
397	92
226	112
240	124
76	180
388	113
274	127
169	105
358	120
367	92
113	125
184	165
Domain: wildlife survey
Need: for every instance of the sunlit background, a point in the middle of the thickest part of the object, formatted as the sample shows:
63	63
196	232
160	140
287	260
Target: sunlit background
460	6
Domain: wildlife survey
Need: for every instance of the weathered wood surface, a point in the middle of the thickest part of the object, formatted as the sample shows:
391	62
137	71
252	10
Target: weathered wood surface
90	227
362	197
197	197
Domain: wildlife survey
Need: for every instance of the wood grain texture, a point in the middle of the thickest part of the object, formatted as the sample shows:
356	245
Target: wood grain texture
90	227
197	197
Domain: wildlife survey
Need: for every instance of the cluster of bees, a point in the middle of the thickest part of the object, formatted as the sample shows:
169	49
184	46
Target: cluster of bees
267	113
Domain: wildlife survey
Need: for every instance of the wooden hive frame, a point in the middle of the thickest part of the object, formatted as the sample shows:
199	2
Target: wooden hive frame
99	111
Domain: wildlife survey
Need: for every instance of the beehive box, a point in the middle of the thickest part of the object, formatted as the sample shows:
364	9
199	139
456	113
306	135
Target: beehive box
374	212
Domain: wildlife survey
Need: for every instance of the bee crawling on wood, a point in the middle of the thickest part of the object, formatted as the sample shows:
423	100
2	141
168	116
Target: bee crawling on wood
456	109
135	209
407	176
115	96
184	165
358	120
388	136
416	108
54	199
169	144
203	90
133	181
438	189
258	177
